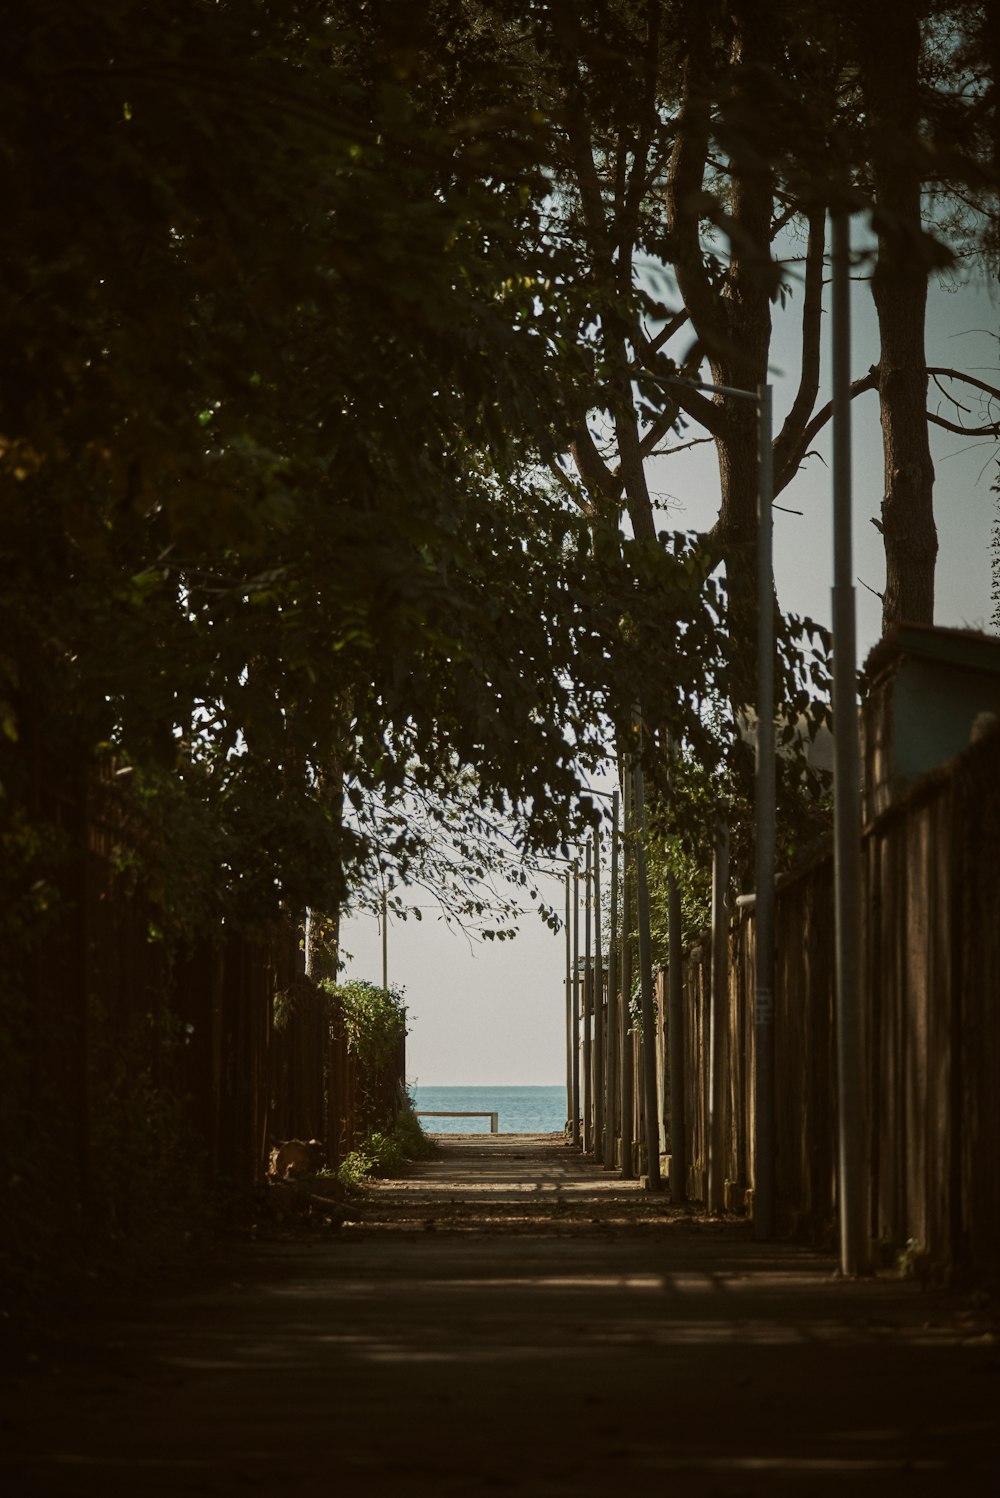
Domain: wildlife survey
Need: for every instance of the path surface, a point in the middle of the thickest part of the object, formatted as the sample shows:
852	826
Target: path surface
510	1318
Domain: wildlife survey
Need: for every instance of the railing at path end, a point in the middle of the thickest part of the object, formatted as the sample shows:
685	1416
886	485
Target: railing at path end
494	1118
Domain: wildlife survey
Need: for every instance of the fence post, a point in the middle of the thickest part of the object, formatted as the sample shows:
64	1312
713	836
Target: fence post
611	1067
650	1110
588	1076
675	1046
627	1049
575	1119
597	991
719	1021
570	1048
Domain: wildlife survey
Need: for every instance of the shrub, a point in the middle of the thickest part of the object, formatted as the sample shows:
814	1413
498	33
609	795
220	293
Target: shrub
382	1153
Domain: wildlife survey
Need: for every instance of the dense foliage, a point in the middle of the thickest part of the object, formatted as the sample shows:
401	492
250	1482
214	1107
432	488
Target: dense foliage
338	335
374	1019
281	373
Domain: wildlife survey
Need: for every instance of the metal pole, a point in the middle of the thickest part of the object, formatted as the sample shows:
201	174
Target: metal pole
763	1010
846	788
385	940
598	1004
675	1046
627	1051
569	1001
575	1114
588	1006
719	1022
650	1110
611	1129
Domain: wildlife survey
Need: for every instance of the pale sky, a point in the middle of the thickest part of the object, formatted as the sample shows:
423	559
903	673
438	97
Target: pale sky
494	1014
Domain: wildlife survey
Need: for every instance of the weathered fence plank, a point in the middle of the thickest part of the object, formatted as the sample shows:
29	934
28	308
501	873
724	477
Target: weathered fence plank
932	1029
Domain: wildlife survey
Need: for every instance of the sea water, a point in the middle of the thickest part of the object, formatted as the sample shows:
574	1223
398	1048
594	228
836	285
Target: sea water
522	1110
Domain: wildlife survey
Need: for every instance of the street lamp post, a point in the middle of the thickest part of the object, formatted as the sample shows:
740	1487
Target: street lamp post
846	788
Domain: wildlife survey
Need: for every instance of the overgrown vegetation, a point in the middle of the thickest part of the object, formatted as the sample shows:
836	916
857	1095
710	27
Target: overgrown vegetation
374	1022
374	1018
382	1153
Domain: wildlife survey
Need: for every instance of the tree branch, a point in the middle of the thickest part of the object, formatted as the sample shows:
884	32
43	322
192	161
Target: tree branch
598	479
668	330
818	422
637	176
685	189
710	415
992	429
956	374
668	452
566	483
794	425
952	426
870	381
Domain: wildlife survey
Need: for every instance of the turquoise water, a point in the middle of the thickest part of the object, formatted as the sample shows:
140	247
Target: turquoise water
522	1110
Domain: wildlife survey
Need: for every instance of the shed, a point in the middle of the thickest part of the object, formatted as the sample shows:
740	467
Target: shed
931	691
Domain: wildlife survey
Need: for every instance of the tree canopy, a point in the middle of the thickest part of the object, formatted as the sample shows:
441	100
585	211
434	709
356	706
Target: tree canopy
281	382
314	315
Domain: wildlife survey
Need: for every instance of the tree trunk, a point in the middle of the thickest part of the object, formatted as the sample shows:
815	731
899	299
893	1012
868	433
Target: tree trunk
734	328
890	55
746	308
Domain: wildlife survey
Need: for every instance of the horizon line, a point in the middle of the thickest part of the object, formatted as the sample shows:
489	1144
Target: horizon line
488	1084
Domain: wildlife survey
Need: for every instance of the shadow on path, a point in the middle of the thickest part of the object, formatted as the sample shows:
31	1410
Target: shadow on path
510	1317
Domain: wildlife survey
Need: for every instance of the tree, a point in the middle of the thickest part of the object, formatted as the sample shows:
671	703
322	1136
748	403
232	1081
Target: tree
738	126
924	92
280	377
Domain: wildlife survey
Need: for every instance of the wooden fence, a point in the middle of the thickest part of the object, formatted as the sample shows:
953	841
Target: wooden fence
931	953
114	1032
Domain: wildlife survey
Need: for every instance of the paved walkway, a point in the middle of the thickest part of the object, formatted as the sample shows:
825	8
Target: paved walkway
511	1318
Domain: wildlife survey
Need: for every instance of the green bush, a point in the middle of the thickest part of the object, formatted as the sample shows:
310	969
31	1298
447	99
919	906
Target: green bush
412	1140
374	1024
374	1019
383	1153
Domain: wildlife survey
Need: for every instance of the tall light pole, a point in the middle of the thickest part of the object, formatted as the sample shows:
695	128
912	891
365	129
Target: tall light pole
763	995
846	787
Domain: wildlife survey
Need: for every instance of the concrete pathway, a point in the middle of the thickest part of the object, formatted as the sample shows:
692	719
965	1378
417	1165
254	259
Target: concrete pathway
511	1318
